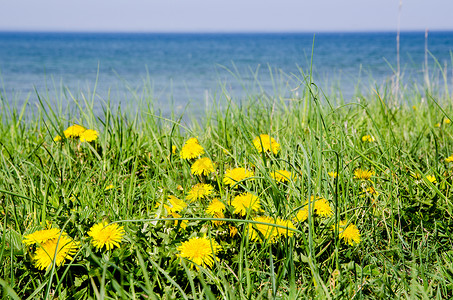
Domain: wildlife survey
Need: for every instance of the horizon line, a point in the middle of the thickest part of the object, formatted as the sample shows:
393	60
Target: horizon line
224	31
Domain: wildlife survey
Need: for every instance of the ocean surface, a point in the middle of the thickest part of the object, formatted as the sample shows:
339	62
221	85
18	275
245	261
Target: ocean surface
175	70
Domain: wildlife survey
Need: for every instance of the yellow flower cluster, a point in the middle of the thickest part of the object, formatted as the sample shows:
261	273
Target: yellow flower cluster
77	131
202	166
233	176
349	233
267	232
52	247
108	235
200	191
216	209
320	206
265	143
199	250
363	174
173	207
281	175
191	149
368	138
245	202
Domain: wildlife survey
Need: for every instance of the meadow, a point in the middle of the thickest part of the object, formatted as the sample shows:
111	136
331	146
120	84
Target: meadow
270	197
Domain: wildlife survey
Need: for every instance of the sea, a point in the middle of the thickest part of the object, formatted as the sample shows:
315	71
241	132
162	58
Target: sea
193	71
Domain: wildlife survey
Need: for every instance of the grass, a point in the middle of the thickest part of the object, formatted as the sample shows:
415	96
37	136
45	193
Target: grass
404	218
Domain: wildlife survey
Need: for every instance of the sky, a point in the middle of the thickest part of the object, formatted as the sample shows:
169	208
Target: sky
224	15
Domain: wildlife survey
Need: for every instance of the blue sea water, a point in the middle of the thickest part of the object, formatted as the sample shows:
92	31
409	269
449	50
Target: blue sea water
194	68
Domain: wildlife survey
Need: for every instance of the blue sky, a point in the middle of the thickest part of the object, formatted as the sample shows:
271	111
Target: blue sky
223	16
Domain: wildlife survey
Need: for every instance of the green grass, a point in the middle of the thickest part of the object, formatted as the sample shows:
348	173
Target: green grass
406	230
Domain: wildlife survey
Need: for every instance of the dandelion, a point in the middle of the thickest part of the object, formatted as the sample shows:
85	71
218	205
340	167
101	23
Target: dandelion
233	231
449	159
301	215
322	207
109	187
363	174
431	178
108	235
263	231
350	234
370	191
41	236
333	174
88	135
74	131
368	138
60	248
287	232
281	175
191	149
447	121
176	203
57	138
437	125
244	202
173	149
216	209
200	191
232	176
266	143
202	166
200	251
182	223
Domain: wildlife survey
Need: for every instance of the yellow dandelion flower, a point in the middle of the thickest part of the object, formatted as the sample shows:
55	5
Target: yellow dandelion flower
370	191
322	207
109	187
350	234
368	138
449	159
265	143
216	206
202	166
215	209
447	121
173	149
191	149
61	248
437	125
74	131
88	135
232	176
244	202
108	235
263	232
363	174
57	138
333	174
301	215
233	231
41	236
176	203
287	232
431	178
200	191
281	175
200	251
183	223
